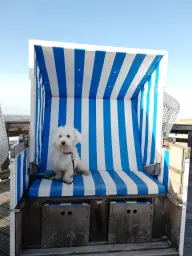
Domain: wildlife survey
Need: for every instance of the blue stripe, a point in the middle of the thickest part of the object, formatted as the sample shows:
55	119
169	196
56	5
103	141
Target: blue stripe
36	115
100	188
18	177
39	131
45	135
24	170
60	70
56	188
78	185
62	85
97	70
62	111
120	184
92	135
115	70
79	71
152	159
150	70
141	113
147	122
107	135
41	61
141	186
34	189
122	135
135	128
166	168
131	74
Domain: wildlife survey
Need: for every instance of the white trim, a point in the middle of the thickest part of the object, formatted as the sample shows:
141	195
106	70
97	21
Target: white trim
94	48
184	206
12	233
161	85
13	183
32	103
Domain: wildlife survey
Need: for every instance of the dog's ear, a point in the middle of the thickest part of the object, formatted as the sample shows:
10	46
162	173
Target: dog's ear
77	136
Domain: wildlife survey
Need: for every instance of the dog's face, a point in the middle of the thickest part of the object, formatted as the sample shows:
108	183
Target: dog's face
66	138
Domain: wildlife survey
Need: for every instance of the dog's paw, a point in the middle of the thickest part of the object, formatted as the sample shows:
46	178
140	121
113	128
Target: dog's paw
68	180
85	172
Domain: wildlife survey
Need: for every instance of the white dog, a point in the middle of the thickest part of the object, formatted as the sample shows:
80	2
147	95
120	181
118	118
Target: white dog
65	158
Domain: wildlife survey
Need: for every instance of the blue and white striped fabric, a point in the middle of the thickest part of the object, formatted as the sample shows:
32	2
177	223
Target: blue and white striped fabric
99	183
97	93
147	118
19	177
163	178
40	110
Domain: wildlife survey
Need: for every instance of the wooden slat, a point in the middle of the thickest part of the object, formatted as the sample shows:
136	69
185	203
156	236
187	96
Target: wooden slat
4	212
100	249
160	252
4	245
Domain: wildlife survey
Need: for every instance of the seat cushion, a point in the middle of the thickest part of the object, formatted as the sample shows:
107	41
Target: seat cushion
99	183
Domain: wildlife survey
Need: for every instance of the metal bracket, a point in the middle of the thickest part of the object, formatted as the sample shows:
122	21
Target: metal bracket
153	169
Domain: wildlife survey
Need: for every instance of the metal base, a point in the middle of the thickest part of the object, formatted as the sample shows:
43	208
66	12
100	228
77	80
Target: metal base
130	222
65	225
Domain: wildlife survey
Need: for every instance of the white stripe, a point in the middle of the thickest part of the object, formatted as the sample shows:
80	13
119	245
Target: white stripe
89	185
152	186
85	133
41	118
150	118
13	183
127	63
44	188
160	177
53	127
100	136
69	69
51	70
130	136
107	66
22	173
131	185
139	109
115	136
70	112
37	132
140	74
88	70
67	189
109	183
12	234
144	118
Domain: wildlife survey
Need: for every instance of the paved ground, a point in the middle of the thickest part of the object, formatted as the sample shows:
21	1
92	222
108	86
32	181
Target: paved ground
4	217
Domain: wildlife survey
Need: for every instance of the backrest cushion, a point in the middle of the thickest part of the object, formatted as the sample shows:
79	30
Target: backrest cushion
109	129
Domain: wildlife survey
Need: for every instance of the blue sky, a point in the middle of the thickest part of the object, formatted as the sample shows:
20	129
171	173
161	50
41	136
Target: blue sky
165	24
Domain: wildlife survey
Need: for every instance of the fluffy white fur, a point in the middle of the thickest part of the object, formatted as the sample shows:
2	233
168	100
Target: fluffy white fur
64	141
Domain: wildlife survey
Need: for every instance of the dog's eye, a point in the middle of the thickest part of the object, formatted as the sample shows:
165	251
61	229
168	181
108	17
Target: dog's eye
60	136
68	136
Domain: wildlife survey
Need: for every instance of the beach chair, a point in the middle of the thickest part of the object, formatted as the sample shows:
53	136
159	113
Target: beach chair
114	98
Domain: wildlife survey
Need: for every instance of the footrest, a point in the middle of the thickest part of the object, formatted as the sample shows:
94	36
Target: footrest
130	222
65	224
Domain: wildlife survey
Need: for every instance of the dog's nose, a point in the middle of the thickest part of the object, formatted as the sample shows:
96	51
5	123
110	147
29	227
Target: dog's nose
63	143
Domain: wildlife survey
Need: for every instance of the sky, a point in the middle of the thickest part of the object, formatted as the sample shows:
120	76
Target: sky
161	25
